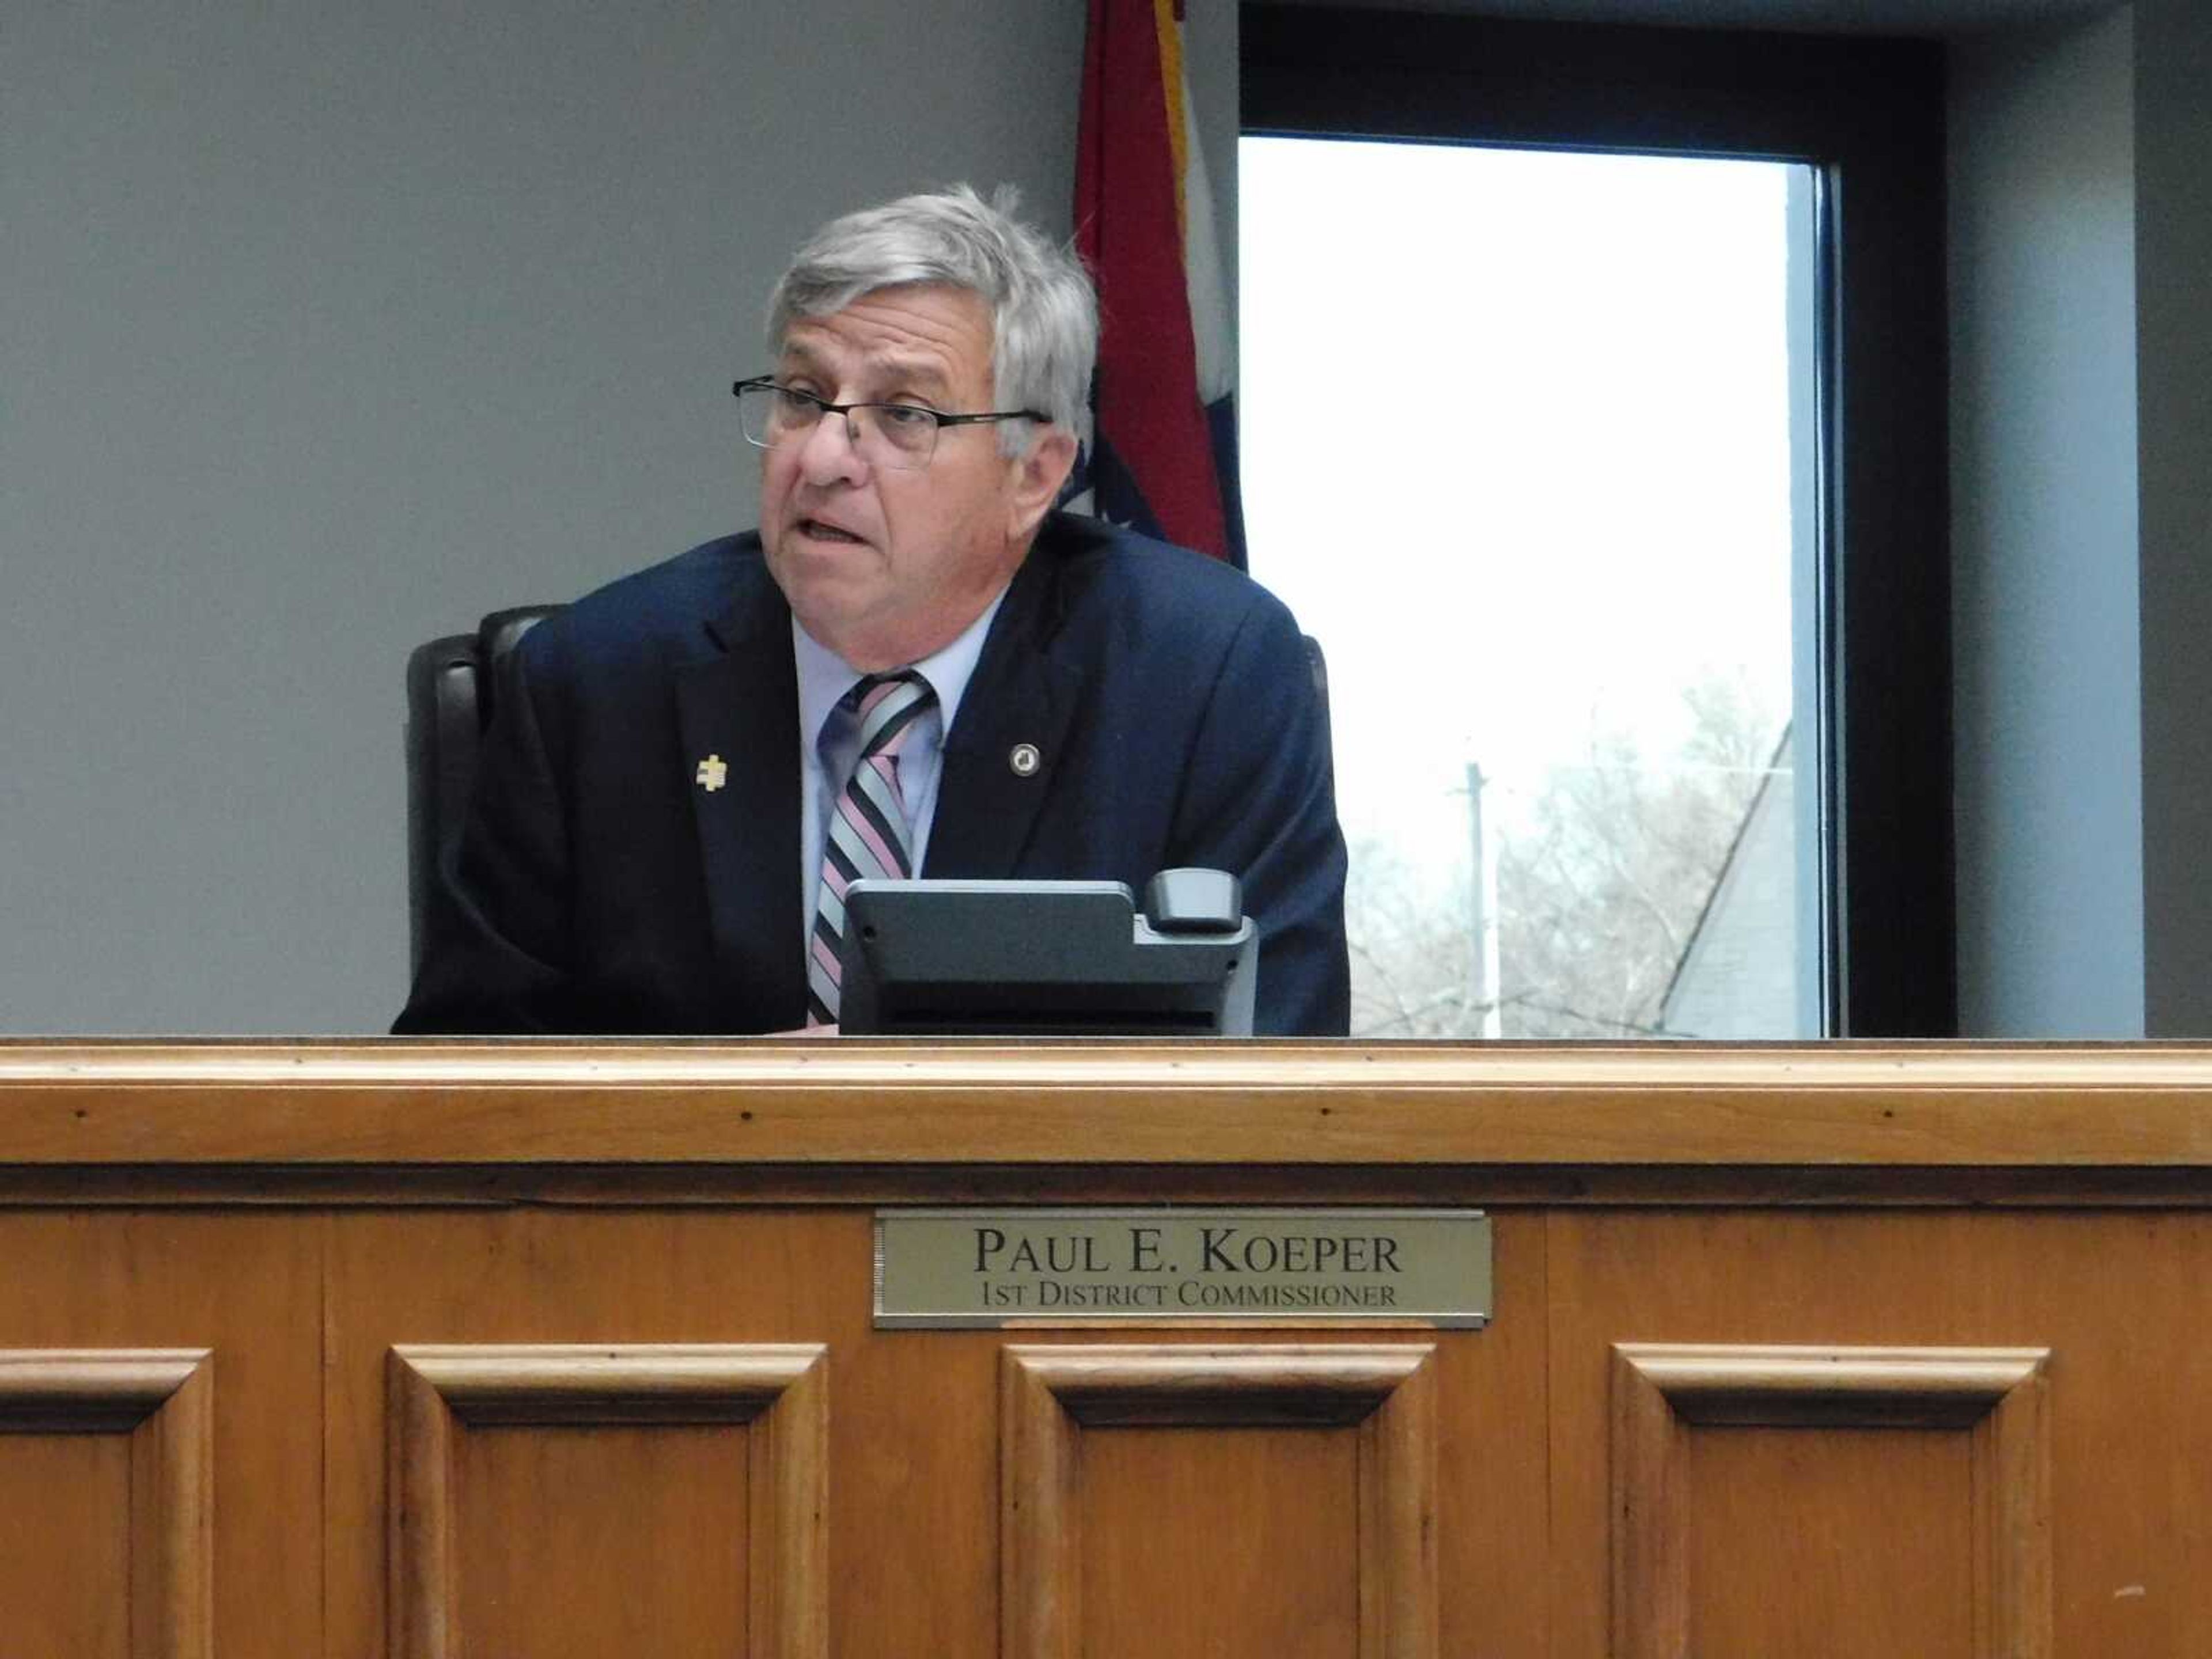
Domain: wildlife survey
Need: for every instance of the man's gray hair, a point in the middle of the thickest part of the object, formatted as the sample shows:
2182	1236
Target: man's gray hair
1044	314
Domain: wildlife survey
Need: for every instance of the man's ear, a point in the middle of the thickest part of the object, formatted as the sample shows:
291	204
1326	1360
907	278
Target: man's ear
1038	475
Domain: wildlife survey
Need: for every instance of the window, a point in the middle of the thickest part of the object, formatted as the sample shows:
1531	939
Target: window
1849	137
1564	756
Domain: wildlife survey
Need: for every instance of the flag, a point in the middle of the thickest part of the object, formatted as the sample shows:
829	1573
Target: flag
1162	457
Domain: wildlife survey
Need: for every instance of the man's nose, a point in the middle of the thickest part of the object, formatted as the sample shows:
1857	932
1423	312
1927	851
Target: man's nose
829	451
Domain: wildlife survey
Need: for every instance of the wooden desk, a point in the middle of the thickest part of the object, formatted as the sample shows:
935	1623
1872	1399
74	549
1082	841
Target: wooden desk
561	1349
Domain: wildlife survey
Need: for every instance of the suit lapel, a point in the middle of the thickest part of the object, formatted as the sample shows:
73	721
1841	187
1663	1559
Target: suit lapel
1018	700
740	705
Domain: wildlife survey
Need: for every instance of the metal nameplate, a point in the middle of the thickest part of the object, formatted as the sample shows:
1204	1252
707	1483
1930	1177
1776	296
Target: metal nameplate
988	1267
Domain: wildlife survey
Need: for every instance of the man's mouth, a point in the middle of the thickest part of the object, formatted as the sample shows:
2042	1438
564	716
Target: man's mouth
815	530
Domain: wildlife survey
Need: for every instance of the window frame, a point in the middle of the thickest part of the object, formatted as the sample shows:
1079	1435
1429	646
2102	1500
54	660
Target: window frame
1868	115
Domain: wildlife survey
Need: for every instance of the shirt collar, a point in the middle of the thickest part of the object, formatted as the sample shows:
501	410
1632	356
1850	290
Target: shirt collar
824	676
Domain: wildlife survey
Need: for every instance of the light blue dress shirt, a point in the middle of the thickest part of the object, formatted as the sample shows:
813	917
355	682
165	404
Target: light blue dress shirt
829	744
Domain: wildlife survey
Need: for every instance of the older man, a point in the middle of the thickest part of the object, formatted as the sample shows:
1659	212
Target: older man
915	666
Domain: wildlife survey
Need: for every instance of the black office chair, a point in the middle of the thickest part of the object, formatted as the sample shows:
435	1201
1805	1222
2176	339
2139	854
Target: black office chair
451	685
450	689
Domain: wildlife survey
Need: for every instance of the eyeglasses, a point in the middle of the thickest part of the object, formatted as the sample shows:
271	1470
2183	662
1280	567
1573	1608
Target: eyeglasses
902	437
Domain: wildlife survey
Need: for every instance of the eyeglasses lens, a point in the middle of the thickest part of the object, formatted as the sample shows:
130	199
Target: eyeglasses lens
883	434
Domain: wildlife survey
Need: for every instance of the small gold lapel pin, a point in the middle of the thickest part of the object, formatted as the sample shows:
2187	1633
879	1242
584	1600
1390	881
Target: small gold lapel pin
713	775
1023	759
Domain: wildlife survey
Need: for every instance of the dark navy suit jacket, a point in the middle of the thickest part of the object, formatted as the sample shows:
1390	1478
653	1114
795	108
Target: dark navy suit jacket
600	887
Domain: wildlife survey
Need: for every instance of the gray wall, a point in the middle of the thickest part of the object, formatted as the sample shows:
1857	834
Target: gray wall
1209	60
329	327
2043	337
2081	223
2174	296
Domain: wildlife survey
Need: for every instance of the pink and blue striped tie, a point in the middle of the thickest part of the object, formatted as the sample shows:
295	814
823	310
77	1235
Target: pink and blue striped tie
867	832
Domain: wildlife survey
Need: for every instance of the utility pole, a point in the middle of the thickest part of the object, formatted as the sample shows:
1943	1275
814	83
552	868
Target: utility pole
1482	921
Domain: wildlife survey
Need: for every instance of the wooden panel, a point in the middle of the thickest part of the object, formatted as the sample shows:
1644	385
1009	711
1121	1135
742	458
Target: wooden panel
300	1283
1236	1544
436	1392
246	1288
530	1277
162	1399
576	1542
1049	1395
1855	1545
2115	1298
2003	1578
65	1544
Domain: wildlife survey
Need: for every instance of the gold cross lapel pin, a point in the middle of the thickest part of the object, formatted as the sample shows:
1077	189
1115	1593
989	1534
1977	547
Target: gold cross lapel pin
712	774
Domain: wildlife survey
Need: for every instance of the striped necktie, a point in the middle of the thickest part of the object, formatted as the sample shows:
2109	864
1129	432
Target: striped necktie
867	832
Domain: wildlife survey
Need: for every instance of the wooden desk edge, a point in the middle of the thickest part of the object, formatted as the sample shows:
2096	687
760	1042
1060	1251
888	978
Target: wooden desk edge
865	1104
